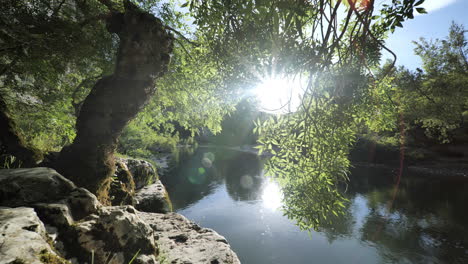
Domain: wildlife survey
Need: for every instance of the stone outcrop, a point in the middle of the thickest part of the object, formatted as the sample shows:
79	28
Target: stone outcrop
130	175
136	183
60	221
23	238
23	187
153	198
116	235
182	241
142	171
37	187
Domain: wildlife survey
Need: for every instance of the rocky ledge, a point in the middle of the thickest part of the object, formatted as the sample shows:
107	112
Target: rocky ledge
45	218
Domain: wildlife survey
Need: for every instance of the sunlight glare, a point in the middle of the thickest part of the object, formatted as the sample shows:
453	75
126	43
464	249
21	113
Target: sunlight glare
278	95
272	196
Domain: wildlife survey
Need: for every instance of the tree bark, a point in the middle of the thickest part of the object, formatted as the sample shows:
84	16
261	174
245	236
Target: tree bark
143	56
11	142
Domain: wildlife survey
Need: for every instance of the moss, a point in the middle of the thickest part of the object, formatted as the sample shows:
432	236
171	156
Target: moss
162	258
48	258
122	189
168	200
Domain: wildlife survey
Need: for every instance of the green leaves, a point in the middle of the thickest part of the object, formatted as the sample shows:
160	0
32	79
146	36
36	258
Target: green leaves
309	149
421	10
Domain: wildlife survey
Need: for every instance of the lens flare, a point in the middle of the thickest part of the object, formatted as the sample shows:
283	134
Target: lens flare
360	4
246	181
197	176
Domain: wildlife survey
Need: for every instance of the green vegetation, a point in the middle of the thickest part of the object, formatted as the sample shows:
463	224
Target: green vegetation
89	78
48	258
436	98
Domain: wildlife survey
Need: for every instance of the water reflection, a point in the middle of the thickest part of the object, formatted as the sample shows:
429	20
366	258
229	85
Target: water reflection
426	222
271	195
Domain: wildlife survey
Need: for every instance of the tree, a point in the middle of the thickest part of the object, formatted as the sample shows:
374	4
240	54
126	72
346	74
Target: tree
440	94
48	47
143	56
433	98
329	44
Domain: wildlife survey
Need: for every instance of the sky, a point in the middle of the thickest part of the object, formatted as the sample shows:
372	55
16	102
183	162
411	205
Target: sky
433	25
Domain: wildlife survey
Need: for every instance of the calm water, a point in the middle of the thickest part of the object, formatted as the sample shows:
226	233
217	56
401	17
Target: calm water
426	224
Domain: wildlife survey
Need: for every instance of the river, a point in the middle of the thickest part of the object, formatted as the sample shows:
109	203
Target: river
226	190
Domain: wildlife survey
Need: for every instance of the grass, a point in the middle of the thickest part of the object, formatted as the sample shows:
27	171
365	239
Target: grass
47	257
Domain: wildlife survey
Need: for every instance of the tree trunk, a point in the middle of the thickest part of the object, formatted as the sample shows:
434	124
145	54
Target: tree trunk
143	56
11	142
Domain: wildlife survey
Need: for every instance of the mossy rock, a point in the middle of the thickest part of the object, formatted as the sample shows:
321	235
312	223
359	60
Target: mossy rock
143	172
122	189
47	257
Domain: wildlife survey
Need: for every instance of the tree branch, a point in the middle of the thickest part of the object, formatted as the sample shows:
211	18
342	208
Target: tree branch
181	35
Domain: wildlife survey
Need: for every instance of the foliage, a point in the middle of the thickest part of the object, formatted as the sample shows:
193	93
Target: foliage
310	149
331	46
9	162
50	51
440	95
237	127
191	97
433	98
56	50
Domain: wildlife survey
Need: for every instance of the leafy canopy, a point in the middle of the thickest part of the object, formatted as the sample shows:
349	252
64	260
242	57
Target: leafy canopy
331	46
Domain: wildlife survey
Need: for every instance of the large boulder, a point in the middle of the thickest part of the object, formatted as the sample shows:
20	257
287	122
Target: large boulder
23	238
182	241
142	171
37	187
23	187
153	198
116	235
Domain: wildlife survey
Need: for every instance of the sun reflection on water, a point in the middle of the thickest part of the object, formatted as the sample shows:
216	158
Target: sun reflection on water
272	196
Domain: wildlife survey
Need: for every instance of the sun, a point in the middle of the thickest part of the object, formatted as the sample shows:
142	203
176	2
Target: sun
278	95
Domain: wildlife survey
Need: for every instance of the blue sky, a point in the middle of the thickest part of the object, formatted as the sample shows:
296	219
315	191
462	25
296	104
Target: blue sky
433	25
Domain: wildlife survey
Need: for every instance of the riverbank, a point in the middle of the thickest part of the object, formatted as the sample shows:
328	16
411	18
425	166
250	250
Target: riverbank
45	218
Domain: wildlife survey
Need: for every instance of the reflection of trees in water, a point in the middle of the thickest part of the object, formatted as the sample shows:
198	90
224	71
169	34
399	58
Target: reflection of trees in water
339	226
190	180
198	174
417	196
416	240
424	225
243	177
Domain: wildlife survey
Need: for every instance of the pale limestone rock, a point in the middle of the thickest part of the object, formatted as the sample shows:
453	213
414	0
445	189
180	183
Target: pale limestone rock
182	241
117	232
22	236
153	198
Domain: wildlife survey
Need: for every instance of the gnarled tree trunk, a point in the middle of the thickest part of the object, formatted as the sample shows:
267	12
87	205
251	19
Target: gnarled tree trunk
143	56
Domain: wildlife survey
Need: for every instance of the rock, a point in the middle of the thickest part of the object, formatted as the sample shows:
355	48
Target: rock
153	198
130	174
23	238
57	215
80	225
82	203
38	187
142	171
118	234
23	187
182	241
